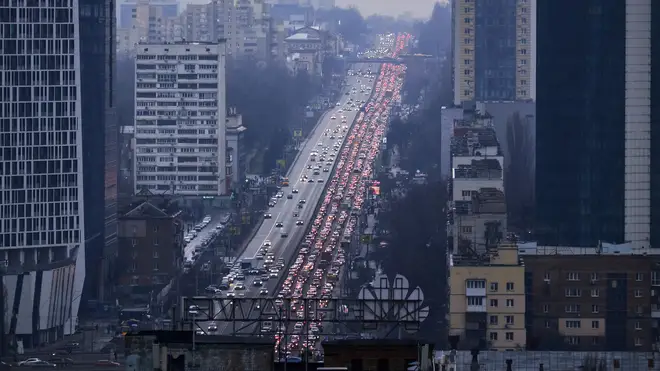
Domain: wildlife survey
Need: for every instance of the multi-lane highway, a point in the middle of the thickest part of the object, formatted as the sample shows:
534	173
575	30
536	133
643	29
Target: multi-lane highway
295	208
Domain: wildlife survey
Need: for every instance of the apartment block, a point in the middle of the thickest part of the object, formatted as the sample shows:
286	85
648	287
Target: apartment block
604	298
150	250
487	304
180	142
493	50
477	210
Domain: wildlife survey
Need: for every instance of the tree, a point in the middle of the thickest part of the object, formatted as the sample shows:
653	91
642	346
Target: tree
434	35
519	173
348	22
272	102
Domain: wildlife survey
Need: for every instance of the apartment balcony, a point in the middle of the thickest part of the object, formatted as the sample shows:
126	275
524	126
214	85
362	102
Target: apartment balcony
476	308
480	292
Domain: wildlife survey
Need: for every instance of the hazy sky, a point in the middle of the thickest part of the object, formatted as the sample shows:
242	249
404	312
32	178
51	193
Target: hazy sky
417	8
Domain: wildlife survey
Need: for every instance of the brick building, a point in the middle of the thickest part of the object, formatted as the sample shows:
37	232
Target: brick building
150	250
598	299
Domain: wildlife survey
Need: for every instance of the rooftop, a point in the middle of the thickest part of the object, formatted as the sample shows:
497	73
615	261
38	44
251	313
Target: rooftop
486	168
155	208
532	248
468	141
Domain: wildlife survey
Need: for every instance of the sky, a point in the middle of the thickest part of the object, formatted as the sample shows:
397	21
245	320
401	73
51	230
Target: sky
417	8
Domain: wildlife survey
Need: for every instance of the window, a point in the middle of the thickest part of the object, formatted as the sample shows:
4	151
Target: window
467	62
546	308
133	266
595	308
638	326
468	31
638	342
493	336
475	300
546	276
466	229
639	309
155	254
509	336
573	293
573	324
595	324
594	340
155	229
595	293
509	303
493	286
493	303
155	265
572	308
639	277
655	278
475	284
638	293
573	276
135	280
156	241
467	72
134	242
466	193
134	254
468	20
509	286
493	320
573	340
547	324
509	320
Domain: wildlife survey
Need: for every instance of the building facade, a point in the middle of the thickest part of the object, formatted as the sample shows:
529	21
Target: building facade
42	213
128	10
593	299
487	301
150	251
608	142
180	115
493	50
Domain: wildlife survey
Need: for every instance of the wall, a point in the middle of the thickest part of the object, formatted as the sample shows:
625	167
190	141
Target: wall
447	118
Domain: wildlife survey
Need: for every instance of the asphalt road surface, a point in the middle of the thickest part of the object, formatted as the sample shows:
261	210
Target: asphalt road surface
189	249
282	212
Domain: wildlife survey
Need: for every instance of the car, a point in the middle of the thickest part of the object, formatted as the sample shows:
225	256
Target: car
300	222
289	197
310	180
268	216
29	360
257	283
294	191
213	327
333	117
231	294
263	292
309	167
279	225
284	234
296	214
326	170
239	286
267	243
302	201
272	275
271	204
320	181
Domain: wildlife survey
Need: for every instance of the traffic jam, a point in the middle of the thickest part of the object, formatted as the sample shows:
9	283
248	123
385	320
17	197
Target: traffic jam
316	270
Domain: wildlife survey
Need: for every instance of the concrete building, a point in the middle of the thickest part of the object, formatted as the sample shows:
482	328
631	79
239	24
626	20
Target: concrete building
150	251
180	118
448	116
128	10
493	50
611	142
305	50
602	298
236	154
487	303
42	201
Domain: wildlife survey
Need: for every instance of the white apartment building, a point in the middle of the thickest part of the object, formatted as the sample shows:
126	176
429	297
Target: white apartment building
180	114
42	252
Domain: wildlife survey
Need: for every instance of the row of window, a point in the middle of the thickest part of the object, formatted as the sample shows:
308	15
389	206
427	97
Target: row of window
494	303
576	293
494	336
594	276
577	340
175	150
494	286
577	308
508	320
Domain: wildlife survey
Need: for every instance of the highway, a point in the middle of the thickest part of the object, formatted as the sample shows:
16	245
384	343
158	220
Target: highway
283	211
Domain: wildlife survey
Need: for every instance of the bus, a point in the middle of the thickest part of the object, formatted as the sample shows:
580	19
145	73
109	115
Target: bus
285	182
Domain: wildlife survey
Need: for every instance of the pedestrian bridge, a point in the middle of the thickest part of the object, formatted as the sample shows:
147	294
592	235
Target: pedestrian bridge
402	59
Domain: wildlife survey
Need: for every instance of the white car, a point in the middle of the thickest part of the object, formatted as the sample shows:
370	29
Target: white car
333	117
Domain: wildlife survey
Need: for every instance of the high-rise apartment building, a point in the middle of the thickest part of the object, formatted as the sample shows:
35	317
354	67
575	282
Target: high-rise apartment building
493	50
42	145
128	10
180	145
99	135
595	173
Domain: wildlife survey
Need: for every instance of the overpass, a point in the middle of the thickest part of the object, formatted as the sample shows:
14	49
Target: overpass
402	59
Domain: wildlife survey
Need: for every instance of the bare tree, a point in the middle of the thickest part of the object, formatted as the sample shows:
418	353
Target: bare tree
519	173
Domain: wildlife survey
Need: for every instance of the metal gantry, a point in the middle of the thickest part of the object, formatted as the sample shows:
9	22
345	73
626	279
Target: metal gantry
248	316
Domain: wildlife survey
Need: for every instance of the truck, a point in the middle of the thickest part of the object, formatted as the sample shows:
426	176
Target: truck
246	263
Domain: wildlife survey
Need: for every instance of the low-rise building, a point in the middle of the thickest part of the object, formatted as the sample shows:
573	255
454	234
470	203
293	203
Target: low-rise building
487	302
236	154
150	250
306	49
604	298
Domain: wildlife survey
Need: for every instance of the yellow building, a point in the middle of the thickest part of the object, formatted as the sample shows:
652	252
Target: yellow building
487	301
